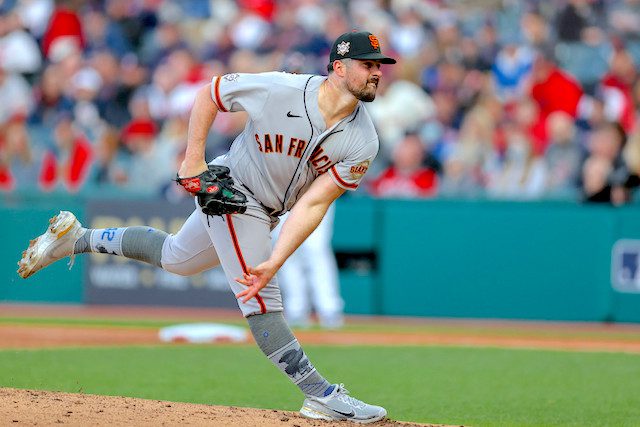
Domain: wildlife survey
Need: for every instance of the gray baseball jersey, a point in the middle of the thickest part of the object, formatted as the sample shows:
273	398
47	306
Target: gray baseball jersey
283	148
285	144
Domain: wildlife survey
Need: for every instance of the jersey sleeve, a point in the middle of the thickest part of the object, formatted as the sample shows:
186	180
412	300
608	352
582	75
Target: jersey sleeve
348	173
240	92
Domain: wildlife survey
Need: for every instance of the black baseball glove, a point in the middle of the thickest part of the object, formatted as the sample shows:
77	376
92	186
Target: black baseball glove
215	192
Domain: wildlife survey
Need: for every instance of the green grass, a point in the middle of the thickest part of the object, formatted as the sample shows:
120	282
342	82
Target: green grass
480	387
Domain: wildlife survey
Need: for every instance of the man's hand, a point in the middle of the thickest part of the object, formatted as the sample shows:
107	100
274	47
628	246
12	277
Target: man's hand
189	169
256	279
215	191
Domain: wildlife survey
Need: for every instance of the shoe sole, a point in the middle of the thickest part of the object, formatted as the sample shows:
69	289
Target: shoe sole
59	225
308	412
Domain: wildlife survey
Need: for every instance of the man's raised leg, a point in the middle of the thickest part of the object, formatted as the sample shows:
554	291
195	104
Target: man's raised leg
188	252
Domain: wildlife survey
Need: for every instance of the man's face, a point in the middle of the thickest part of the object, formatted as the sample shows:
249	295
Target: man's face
362	78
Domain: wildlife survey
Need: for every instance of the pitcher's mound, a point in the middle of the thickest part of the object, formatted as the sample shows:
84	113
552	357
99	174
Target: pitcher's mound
30	407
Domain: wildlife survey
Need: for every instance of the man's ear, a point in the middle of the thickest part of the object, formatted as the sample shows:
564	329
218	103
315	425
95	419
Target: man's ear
339	67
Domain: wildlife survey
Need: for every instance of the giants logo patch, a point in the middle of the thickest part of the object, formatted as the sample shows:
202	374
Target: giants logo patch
374	42
359	170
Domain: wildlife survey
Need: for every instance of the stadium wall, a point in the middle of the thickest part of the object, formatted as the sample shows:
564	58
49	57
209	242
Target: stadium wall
478	259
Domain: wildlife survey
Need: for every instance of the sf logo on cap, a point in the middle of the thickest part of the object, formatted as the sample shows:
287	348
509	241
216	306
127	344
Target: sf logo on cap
374	42
343	48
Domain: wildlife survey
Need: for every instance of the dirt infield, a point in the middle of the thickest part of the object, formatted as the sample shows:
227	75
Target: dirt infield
467	333
29	407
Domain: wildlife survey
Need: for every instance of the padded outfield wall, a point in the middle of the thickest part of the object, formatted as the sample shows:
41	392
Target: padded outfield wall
551	261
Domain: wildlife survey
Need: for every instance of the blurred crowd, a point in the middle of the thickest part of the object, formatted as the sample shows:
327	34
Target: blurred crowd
497	99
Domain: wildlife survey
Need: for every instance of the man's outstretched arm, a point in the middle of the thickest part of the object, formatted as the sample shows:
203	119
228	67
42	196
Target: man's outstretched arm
203	113
303	219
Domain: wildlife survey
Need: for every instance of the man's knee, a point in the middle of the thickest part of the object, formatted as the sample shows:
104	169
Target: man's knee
178	260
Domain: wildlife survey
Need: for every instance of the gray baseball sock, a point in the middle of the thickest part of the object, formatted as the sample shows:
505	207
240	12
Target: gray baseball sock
140	243
277	342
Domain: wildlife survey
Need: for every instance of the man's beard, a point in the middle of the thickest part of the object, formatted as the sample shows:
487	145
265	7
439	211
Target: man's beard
365	94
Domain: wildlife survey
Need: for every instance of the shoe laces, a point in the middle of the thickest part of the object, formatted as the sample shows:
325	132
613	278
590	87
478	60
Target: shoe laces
343	395
72	259
72	255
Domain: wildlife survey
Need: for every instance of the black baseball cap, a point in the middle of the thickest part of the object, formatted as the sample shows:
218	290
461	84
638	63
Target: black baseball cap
358	45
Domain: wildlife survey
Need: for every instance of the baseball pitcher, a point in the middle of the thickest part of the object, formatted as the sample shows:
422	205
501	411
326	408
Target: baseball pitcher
307	140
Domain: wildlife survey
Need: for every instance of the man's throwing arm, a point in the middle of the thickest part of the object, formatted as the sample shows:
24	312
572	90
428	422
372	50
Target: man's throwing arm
303	219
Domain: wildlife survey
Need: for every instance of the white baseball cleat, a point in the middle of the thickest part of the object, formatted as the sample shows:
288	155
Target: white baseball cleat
338	405
57	242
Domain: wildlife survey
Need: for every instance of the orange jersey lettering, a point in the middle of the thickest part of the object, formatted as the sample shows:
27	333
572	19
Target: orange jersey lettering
292	146
268	147
301	144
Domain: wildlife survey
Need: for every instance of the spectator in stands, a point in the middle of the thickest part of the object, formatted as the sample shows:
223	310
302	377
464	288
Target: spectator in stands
16	97
163	81
164	39
111	98
406	177
591	116
574	19
150	164
104	34
50	98
604	172
18	162
631	157
120	79
152	155
471	56
457	180
34	15
409	34
522	175
476	149
617	89
510	71
535	30
19	50
487	39
563	157
68	164
549	81
447	115
390	112
64	31
125	27
85	86
16	103
526	114
624	18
